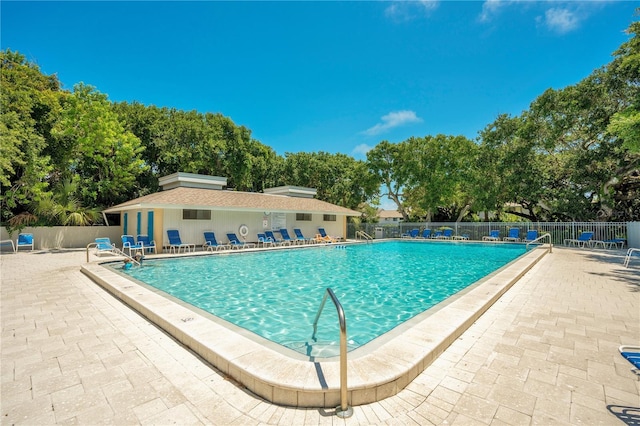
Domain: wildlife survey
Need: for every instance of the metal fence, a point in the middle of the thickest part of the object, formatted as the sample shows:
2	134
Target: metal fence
476	230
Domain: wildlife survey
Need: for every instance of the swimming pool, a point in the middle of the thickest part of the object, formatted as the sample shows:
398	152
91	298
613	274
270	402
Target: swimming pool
276	294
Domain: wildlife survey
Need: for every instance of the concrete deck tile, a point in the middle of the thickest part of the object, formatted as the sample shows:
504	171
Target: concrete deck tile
403	419
179	415
150	409
544	354
476	408
581	414
511	417
462	420
512	398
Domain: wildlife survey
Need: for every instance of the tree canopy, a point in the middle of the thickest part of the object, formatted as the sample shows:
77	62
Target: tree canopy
573	155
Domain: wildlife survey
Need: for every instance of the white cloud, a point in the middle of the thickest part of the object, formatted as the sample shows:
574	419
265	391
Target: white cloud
393	119
561	20
361	150
491	8
559	17
406	10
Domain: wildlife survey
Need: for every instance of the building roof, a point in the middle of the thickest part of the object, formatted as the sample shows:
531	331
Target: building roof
388	214
209	199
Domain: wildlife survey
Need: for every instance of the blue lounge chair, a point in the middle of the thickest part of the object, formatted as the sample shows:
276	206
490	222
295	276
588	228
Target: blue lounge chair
326	238
128	243
211	244
265	241
146	242
532	235
104	246
631	354
277	241
514	235
411	234
301	238
445	234
426	233
24	240
236	243
615	241
583	240
176	244
7	243
286	237
494	235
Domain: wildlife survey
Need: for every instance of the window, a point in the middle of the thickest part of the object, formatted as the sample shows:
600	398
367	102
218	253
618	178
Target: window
303	216
196	214
329	217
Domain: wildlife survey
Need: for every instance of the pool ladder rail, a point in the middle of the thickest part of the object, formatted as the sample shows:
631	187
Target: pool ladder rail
363	235
539	239
342	411
115	250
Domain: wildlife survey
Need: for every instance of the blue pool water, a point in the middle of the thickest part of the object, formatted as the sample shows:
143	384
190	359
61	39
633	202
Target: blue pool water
276	294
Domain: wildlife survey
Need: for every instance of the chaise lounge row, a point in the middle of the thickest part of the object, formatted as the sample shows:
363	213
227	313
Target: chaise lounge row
143	244
585	239
447	234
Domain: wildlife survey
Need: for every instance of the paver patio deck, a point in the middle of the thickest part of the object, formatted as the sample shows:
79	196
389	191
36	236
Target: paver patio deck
545	353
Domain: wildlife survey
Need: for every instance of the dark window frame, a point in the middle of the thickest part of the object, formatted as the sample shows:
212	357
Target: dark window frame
196	214
304	217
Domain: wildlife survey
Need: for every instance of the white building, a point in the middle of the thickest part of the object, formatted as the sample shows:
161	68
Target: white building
193	203
386	217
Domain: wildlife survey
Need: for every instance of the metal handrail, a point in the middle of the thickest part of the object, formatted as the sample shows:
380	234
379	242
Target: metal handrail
627	258
88	247
540	238
364	235
343	410
116	250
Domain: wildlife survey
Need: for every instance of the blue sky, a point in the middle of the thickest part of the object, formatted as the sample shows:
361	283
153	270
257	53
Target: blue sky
323	76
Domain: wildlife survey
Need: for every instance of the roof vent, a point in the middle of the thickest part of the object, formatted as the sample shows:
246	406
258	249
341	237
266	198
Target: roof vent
292	191
192	180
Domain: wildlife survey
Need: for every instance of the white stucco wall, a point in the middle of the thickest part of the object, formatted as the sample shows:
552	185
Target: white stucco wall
222	222
53	237
633	234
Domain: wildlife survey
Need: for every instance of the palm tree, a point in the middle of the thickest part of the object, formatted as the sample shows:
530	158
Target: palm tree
62	207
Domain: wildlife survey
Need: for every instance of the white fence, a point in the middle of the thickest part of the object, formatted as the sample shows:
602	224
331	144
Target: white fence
56	237
476	230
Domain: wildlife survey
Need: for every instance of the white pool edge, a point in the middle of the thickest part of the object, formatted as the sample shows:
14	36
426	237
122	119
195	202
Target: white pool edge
280	379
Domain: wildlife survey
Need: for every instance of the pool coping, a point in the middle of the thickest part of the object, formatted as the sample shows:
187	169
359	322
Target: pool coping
284	380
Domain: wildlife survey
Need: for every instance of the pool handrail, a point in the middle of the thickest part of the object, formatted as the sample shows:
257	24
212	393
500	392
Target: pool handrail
116	250
547	235
627	258
343	411
364	236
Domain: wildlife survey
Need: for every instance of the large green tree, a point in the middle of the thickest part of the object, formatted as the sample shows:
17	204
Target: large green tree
192	142
509	169
102	158
386	162
438	169
30	103
338	178
624	76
